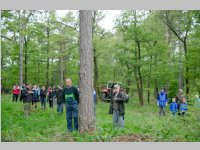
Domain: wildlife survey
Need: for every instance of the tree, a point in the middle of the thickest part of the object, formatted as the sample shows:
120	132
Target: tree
86	111
180	24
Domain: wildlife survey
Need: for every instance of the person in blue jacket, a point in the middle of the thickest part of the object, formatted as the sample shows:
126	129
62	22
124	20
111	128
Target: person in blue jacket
173	107
162	101
183	107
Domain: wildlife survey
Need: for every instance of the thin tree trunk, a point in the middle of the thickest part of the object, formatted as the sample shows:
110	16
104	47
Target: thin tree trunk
149	81
21	58
61	65
187	68
25	60
47	52
86	111
155	80
140	75
180	81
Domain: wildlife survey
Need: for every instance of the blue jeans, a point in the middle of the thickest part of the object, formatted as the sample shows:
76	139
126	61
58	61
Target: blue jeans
43	102
118	120
60	108
71	111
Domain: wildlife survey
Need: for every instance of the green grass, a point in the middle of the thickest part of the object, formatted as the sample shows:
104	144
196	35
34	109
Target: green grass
44	126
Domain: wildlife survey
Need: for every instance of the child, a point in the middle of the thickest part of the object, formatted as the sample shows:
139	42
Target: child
173	107
50	97
183	107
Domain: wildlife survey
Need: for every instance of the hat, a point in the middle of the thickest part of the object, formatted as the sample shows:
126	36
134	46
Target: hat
116	86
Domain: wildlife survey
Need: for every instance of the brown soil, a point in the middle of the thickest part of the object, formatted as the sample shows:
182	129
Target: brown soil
133	138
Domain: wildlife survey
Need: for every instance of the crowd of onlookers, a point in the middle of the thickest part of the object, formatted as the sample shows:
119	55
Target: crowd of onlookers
69	97
35	94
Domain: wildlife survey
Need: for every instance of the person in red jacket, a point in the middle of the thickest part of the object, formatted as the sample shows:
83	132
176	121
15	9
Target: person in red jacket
16	92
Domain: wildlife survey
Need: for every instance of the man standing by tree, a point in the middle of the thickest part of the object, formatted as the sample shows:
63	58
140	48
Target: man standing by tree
71	99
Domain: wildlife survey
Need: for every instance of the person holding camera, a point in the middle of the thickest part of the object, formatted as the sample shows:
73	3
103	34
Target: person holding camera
118	99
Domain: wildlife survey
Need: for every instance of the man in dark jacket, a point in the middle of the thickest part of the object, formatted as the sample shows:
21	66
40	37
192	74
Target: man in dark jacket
23	88
27	99
118	99
59	97
71	99
43	94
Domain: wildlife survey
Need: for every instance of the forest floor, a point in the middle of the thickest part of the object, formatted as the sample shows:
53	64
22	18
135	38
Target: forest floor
142	124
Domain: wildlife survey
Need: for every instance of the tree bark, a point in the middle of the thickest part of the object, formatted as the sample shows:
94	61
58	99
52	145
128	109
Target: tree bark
47	52
180	77
61	65
149	81
21	58
137	72
86	111
25	60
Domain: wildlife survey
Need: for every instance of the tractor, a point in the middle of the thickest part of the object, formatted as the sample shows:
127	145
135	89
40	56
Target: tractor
106	91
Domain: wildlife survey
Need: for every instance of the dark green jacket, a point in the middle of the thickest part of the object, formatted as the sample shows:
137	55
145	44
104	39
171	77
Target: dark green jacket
68	91
117	103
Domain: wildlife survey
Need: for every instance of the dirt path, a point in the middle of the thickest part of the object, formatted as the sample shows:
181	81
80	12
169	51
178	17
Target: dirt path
133	138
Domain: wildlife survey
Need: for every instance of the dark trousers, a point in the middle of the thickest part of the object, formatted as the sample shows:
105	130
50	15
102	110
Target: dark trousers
15	97
71	112
51	103
162	110
43	103
60	107
21	98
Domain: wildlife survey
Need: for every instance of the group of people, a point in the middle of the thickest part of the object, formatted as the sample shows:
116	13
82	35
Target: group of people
33	94
178	105
68	96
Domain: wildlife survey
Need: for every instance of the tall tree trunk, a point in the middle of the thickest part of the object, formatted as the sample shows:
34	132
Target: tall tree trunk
47	52
86	111
180	77
61	65
187	68
149	81
140	75
25	60
155	80
138	62
94	52
21	40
